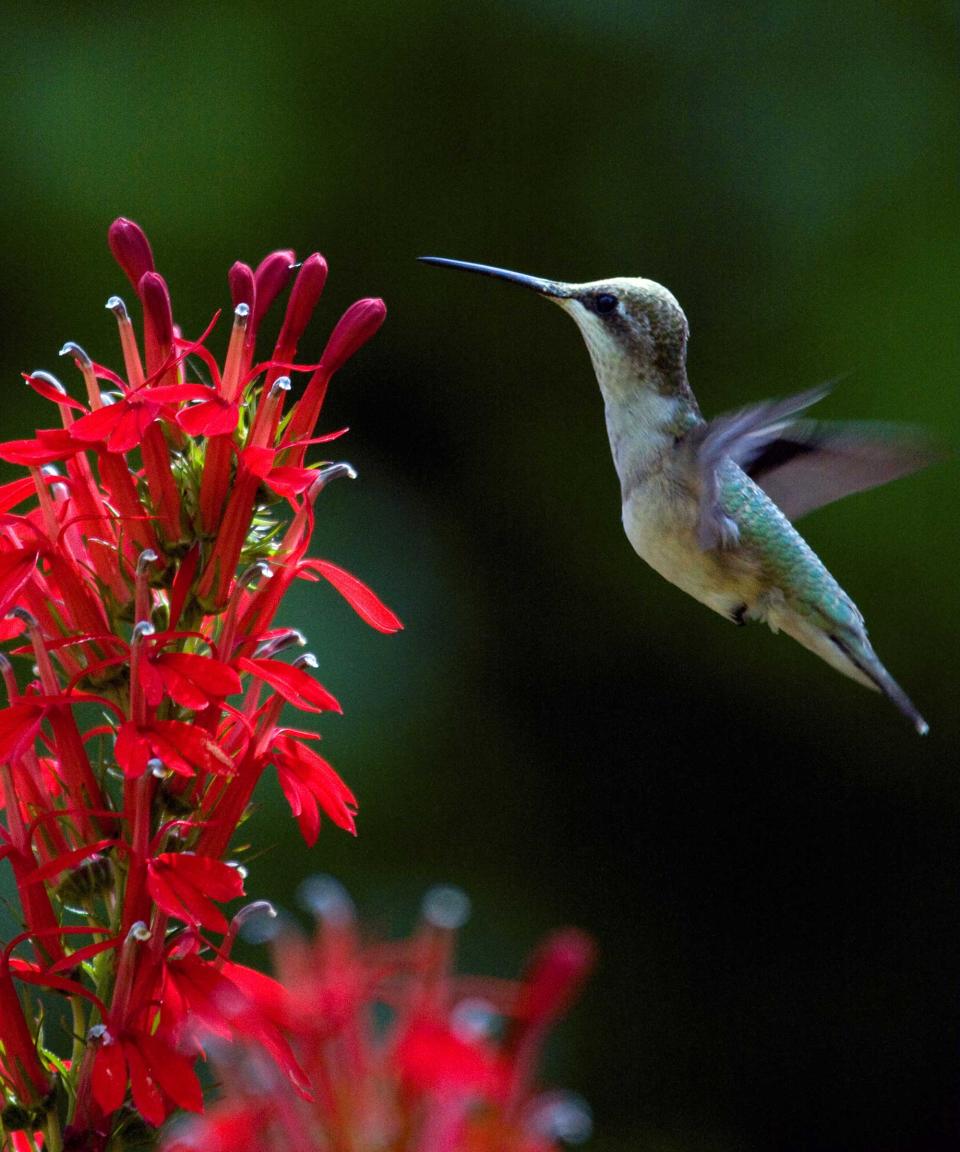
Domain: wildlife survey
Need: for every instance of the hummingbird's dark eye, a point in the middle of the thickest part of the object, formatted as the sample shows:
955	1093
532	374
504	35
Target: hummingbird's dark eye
605	303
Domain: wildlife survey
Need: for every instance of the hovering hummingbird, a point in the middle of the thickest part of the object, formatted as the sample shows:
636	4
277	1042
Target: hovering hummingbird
709	504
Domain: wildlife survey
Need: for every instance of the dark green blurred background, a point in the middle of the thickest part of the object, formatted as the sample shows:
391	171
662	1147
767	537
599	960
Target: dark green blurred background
766	853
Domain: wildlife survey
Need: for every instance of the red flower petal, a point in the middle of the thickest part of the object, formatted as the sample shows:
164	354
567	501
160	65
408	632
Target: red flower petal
15	492
173	1072
292	683
309	783
189	679
367	605
185	886
16	568
50	445
109	1076
18	726
147	1097
210	418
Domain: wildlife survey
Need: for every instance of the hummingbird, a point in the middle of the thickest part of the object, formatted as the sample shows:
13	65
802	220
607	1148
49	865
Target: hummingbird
709	505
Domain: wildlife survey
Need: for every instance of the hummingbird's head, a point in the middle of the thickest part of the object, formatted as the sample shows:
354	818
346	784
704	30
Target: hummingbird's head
635	330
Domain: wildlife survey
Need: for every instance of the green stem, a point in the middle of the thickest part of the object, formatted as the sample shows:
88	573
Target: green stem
79	1044
52	1136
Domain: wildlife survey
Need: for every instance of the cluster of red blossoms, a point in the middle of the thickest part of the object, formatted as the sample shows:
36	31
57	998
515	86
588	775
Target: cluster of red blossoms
398	1053
142	561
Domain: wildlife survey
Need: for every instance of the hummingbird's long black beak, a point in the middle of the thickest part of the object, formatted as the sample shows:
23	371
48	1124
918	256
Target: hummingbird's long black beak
544	287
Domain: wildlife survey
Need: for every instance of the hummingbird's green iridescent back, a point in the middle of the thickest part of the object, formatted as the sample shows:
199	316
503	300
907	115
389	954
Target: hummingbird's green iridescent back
788	561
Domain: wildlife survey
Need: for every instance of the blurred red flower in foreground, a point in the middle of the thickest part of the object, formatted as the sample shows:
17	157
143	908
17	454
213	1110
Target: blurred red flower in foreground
142	560
398	1052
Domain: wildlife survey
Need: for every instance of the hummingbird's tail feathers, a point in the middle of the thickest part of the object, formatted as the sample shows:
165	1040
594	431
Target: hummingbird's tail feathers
865	660
850	652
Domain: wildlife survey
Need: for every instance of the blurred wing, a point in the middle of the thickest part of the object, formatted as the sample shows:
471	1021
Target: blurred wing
743	437
802	464
814	463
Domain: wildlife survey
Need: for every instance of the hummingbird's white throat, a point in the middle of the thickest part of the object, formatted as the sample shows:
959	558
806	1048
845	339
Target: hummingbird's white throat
638	415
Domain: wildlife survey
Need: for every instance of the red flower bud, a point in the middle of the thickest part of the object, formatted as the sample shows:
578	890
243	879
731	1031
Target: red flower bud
557	970
356	326
158	314
271	278
240	279
303	299
130	249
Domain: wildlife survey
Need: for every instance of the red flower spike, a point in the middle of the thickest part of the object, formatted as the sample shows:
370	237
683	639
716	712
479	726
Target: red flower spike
176	490
130	249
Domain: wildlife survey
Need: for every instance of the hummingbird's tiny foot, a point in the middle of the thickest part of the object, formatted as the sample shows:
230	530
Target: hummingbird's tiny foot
739	615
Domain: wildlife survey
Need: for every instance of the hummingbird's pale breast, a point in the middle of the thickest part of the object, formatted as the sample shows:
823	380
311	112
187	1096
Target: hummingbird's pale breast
660	518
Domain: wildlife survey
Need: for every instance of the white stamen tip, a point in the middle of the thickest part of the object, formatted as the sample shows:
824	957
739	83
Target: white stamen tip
327	899
71	348
446	907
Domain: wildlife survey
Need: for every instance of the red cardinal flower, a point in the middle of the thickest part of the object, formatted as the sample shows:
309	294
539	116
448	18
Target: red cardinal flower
453	1069
144	553
311	785
186	886
159	1077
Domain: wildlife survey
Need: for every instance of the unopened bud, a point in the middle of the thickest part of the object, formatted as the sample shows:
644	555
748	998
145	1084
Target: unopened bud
303	299
558	968
356	326
240	279
130	249
271	278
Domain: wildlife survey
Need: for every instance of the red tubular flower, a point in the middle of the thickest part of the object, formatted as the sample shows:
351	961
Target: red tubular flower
185	886
135	555
435	1079
310	785
21	1074
356	326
